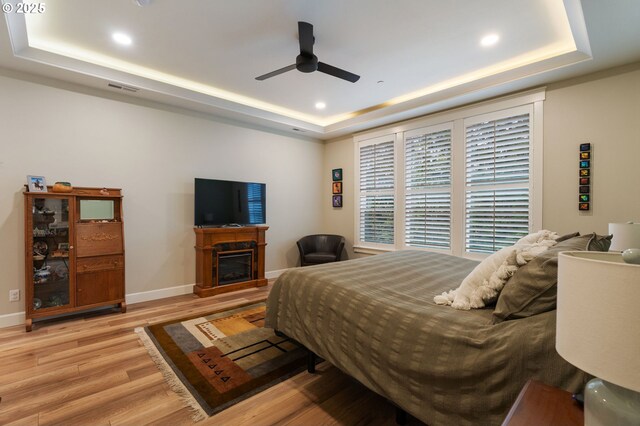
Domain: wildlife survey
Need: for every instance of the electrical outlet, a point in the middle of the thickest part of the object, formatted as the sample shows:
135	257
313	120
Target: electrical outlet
14	295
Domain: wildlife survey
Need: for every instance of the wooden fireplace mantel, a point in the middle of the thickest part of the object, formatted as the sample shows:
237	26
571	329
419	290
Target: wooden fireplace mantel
211	241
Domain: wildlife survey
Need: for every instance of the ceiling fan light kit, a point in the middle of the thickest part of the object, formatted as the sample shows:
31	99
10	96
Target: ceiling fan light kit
307	62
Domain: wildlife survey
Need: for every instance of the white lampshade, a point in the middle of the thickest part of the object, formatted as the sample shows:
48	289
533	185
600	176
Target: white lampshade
598	317
598	331
625	236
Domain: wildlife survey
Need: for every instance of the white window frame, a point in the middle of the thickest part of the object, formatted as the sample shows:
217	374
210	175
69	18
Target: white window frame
533	100
403	190
369	246
495	116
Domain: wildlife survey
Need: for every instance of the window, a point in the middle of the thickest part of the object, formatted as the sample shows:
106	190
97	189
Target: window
376	188
497	182
427	158
466	182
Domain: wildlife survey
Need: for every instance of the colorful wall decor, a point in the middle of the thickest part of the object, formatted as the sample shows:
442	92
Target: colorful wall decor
584	183
336	188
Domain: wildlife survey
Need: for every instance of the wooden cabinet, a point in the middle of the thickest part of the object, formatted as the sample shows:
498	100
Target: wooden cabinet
541	404
74	251
229	259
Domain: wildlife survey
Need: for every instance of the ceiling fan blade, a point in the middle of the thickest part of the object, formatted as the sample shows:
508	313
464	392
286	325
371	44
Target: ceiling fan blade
305	35
276	72
337	72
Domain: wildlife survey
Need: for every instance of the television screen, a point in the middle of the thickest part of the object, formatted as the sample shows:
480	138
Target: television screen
223	202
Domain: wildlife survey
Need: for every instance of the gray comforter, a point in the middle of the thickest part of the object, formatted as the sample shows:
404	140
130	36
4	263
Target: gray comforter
375	319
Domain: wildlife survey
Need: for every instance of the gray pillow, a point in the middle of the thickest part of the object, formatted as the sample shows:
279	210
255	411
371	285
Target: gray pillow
567	236
600	242
532	289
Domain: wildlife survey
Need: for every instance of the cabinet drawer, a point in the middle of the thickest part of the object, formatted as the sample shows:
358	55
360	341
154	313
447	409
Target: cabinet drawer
102	263
99	287
95	239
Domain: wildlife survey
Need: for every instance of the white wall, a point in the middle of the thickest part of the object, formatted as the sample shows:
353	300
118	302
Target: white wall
153	154
339	154
603	109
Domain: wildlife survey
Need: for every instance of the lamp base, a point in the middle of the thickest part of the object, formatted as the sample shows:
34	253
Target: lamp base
607	404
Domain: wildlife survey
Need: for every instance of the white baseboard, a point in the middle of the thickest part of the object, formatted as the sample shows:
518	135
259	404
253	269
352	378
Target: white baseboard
9	320
162	293
274	274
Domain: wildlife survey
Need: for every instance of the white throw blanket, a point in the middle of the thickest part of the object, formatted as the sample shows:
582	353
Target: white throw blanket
484	283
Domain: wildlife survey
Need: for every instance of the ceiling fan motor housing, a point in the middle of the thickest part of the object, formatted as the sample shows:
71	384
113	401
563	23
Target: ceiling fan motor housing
306	63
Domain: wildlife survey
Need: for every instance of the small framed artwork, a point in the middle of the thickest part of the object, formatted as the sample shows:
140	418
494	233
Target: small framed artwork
584	172
336	188
63	246
336	174
583	206
337	200
584	181
585	155
37	183
584	198
584	189
585	147
584	164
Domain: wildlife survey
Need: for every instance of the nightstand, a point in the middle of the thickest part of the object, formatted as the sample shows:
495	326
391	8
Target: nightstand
539	404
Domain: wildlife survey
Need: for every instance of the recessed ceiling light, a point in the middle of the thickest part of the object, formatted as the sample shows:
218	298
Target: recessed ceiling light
320	105
489	40
122	38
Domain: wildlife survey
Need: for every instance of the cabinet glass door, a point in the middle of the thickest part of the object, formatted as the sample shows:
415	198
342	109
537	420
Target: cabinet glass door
51	286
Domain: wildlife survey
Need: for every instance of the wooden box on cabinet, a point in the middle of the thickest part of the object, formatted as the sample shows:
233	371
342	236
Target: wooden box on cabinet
74	251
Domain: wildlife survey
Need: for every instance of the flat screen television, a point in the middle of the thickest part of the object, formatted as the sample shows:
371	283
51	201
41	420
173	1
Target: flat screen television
224	202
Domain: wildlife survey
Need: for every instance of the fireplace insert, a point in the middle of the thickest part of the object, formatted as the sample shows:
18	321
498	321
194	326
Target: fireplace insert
234	267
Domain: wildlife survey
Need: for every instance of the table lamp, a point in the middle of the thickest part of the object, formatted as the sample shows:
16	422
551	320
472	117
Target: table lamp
598	331
626	238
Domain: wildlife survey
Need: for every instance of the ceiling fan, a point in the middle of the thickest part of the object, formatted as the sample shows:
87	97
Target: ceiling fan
307	61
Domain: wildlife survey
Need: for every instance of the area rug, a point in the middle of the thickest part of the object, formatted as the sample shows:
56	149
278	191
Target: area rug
216	360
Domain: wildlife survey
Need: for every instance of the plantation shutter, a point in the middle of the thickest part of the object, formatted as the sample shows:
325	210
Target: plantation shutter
377	200
428	189
497	183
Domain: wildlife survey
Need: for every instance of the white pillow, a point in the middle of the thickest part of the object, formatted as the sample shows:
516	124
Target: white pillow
538	238
484	283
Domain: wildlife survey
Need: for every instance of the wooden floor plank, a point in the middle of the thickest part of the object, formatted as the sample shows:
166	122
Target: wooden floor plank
150	412
14	405
93	370
93	402
31	420
18	381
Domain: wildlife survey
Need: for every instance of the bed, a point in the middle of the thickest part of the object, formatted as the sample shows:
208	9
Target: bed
375	319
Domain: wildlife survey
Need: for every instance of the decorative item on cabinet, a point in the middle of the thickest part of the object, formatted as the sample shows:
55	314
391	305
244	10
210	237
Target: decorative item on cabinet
62	187
74	252
36	183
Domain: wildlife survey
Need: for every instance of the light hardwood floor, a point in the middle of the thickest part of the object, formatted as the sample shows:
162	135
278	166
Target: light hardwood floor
92	370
